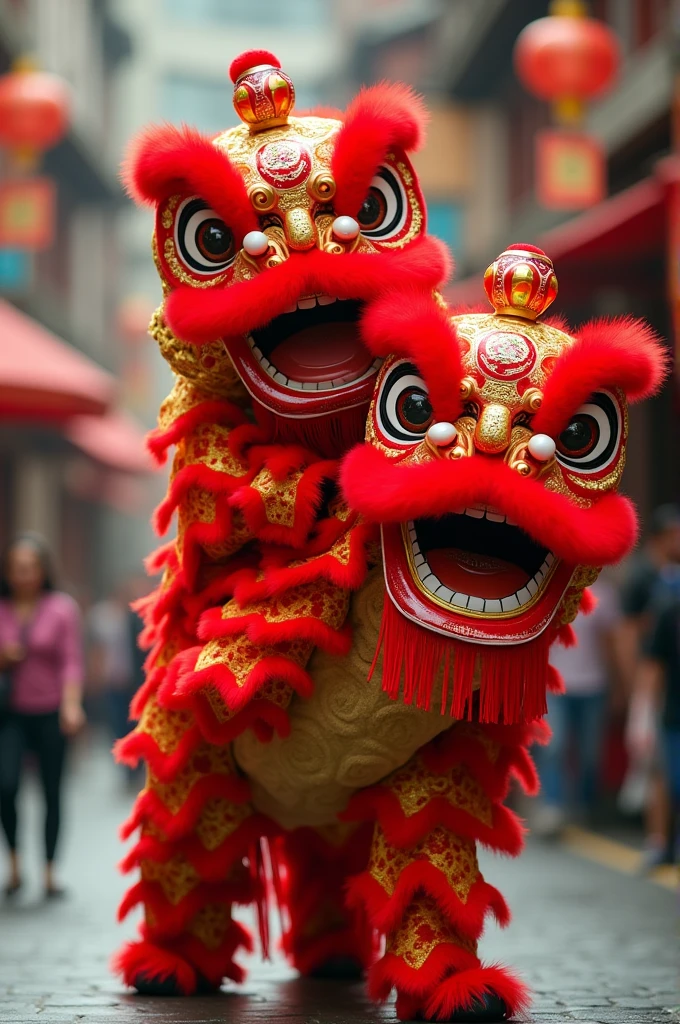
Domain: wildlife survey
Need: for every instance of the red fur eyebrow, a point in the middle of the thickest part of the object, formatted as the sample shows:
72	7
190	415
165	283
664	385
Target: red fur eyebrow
621	352
378	118
419	329
164	159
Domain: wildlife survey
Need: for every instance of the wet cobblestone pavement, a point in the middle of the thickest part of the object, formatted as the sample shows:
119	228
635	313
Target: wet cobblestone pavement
597	946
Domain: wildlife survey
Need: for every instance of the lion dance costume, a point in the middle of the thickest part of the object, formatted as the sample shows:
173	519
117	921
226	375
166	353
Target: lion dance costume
386	514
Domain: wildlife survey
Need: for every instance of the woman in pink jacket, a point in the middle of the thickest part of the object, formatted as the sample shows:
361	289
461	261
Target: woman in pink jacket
41	661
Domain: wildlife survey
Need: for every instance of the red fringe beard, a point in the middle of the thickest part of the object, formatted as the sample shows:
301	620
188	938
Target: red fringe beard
480	682
328	436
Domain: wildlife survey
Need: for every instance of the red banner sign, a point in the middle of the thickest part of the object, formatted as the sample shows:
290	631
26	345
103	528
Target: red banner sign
570	170
27	213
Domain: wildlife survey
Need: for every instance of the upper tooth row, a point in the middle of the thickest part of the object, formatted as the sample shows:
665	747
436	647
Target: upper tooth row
482	511
510	603
324	385
310	301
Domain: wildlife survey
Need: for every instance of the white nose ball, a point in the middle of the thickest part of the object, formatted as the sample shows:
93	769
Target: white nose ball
541	447
255	243
442	434
345	228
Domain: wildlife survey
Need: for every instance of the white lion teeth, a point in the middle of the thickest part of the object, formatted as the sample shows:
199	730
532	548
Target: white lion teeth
489	606
296	385
310	301
484	512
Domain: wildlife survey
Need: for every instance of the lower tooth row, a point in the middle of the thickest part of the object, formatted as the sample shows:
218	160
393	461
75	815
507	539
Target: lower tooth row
489	605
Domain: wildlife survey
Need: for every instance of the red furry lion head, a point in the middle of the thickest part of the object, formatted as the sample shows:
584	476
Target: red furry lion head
273	235
495	446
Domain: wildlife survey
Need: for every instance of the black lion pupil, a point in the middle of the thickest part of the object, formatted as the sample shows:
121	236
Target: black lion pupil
215	238
370	210
577	436
416	409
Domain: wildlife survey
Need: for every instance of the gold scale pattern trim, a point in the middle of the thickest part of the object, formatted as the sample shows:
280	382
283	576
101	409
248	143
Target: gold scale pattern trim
453	855
421	930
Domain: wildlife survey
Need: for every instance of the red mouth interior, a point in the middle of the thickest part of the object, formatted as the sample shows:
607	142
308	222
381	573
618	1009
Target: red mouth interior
322	352
481	557
316	344
483	576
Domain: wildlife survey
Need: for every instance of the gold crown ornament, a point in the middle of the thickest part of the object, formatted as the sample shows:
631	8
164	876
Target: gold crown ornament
521	282
264	96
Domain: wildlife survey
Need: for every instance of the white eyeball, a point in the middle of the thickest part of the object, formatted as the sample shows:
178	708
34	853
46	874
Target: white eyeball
205	244
442	434
345	228
255	243
542	447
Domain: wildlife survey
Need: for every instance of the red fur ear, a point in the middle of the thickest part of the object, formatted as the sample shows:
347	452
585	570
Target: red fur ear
622	352
379	118
164	159
412	324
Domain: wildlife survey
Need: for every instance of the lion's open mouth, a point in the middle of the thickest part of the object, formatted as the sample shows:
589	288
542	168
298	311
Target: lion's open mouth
478	561
473	574
314	346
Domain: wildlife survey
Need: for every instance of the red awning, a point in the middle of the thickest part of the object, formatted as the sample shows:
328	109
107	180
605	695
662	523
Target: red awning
115	440
622	231
43	377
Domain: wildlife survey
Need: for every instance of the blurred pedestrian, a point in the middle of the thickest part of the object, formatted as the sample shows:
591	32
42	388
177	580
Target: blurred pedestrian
570	764
653	582
42	665
654	721
117	661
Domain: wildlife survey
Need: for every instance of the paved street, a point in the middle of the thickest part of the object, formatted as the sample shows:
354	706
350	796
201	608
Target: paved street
596	945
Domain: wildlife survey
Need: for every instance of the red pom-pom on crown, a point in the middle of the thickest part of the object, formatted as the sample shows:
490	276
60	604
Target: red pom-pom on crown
527	247
251	59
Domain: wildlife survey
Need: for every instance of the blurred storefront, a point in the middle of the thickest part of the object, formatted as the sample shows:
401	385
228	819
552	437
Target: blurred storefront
72	462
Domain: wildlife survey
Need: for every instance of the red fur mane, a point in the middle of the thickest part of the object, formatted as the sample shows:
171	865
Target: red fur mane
624	353
163	160
380	118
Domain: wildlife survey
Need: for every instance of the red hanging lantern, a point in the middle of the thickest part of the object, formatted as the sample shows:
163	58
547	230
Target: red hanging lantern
567	58
34	109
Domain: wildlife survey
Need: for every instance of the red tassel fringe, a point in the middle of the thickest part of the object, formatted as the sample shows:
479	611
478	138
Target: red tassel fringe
513	678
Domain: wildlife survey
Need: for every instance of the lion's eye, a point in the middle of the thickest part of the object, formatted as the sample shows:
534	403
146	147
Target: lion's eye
204	242
403	409
590	441
383	211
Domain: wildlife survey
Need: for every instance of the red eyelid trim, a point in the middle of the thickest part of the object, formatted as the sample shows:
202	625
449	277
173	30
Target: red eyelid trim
164	160
417	328
608	353
380	118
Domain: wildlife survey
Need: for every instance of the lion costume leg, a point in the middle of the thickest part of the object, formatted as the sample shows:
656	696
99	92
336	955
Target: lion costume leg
324	938
423	889
198	833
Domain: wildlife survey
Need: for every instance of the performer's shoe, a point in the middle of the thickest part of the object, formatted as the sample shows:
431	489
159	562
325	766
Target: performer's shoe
490	1009
338	968
153	985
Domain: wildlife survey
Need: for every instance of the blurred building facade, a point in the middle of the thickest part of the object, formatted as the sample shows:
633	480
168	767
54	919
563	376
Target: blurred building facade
72	462
610	259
